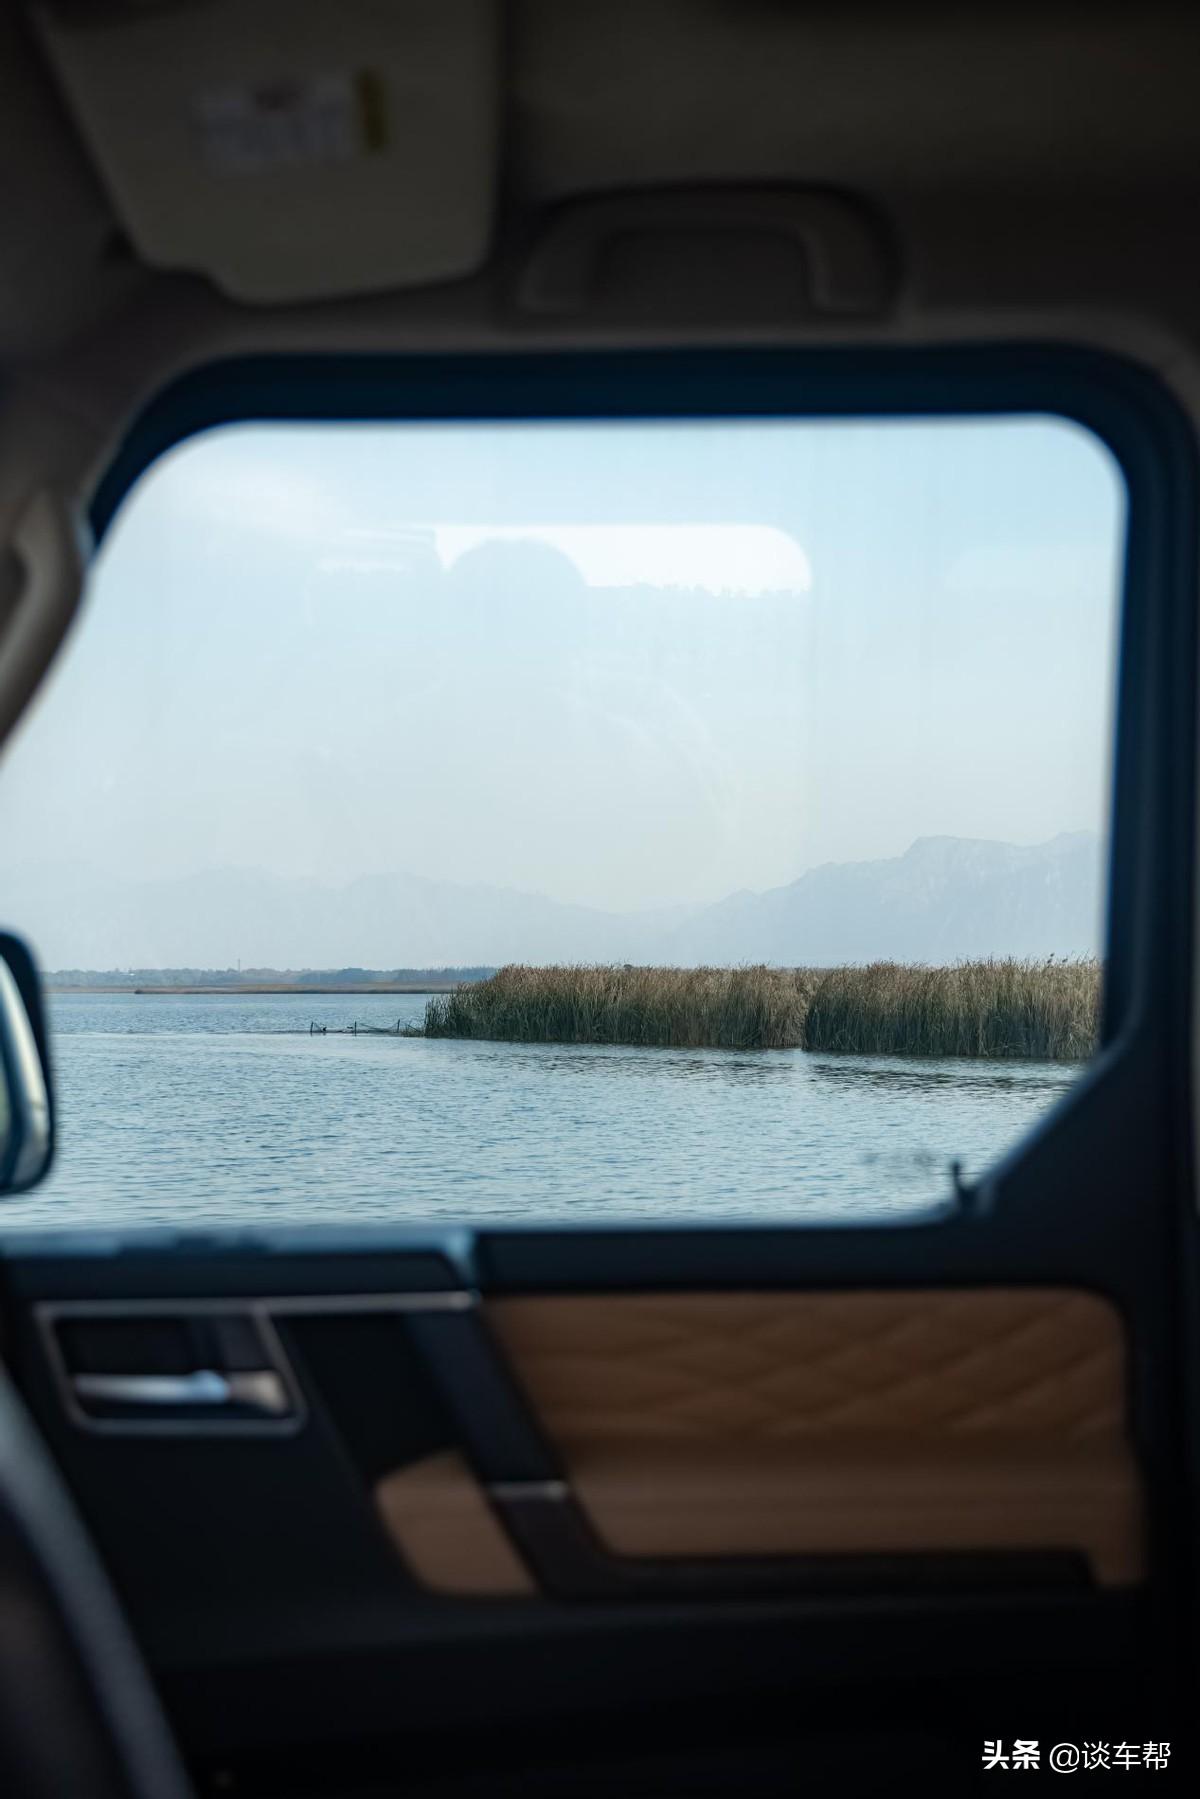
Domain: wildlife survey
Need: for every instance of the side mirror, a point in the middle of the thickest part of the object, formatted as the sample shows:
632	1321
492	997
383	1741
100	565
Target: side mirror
26	1111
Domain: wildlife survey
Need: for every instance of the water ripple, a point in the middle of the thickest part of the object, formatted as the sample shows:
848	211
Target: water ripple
196	1109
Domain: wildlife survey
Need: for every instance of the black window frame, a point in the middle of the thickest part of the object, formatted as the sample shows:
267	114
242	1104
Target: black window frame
1145	1034
1149	910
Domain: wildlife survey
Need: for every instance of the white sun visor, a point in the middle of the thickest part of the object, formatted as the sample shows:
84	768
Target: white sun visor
291	153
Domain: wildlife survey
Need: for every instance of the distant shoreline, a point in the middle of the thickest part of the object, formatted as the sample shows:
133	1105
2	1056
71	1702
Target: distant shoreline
246	987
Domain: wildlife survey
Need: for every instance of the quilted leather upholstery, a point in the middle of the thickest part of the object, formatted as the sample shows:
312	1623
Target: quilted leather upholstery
815	1423
740	1369
760	1368
779	1424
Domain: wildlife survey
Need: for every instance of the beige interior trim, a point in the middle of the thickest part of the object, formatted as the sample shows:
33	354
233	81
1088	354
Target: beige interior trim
891	1500
436	1514
809	1423
41	579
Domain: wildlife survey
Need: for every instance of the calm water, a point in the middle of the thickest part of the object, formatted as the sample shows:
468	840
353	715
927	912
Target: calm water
177	1109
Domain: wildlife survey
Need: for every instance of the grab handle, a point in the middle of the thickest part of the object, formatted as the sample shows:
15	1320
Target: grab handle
258	1390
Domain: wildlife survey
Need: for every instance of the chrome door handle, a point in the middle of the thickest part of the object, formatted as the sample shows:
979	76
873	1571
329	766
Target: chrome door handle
260	1390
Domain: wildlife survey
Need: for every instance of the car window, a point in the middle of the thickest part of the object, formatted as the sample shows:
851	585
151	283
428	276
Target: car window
691	819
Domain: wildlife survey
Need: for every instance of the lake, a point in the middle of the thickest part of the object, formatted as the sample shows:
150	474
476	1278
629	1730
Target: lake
180	1109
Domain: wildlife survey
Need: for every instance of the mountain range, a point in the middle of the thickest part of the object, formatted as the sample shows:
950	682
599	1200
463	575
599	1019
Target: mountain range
943	899
946	898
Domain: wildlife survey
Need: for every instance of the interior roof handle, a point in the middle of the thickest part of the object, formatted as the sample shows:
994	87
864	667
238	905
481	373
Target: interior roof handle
840	248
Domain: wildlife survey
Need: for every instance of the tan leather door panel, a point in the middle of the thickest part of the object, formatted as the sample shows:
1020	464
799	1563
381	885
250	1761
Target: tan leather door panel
796	1424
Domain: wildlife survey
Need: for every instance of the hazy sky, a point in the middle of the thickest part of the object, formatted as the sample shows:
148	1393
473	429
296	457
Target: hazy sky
617	664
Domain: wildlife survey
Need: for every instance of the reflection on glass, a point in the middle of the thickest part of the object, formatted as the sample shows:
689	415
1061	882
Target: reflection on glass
394	707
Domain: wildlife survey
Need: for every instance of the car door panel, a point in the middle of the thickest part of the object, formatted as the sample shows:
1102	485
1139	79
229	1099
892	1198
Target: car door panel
497	1506
769	1424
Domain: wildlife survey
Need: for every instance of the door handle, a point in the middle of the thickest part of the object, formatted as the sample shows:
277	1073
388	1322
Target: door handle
257	1390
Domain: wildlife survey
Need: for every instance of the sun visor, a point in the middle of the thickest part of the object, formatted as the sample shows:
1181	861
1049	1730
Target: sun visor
291	152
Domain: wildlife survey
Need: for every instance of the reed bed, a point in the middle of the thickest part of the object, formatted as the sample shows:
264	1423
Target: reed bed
998	1009
672	1008
1032	1011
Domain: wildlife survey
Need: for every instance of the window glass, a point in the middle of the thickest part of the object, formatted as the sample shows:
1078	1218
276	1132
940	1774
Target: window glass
767	762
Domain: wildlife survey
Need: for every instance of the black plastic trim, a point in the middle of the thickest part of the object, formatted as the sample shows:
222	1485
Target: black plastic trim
499	1433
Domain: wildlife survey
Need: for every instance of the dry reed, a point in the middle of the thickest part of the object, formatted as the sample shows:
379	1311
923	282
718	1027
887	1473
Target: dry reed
1001	1008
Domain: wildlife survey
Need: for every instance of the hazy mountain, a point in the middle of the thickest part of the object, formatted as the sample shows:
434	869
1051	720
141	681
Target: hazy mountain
945	898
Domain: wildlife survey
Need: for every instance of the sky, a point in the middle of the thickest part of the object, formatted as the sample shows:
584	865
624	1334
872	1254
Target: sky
620	665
